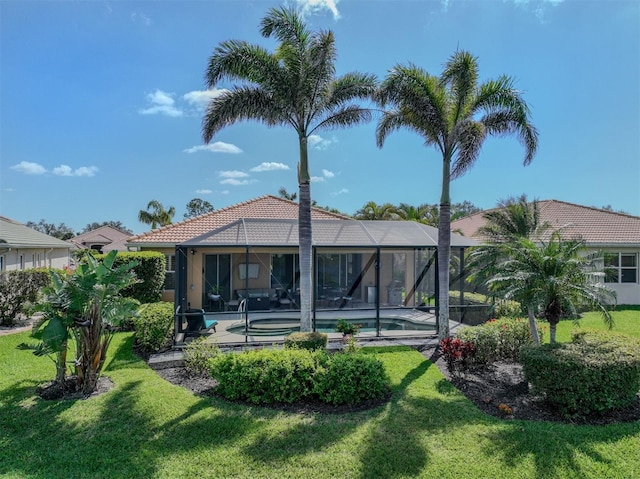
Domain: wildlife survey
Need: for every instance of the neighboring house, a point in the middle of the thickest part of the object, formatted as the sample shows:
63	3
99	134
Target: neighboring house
103	239
616	235
22	248
250	251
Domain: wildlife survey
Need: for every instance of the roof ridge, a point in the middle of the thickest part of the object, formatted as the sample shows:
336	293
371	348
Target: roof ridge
594	208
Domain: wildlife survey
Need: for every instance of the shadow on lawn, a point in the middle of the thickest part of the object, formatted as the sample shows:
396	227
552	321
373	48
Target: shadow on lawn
556	448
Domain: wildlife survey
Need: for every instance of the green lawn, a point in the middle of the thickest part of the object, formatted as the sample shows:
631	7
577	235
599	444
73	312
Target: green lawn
146	427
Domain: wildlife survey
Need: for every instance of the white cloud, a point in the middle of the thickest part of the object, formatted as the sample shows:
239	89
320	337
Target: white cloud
235	182
29	168
310	7
66	170
269	166
328	174
225	192
204	192
317	179
232	174
343	191
200	99
318	143
137	17
217	147
161	103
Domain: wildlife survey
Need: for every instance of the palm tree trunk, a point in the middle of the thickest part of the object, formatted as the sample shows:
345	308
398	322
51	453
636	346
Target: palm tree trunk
305	238
552	331
533	326
444	249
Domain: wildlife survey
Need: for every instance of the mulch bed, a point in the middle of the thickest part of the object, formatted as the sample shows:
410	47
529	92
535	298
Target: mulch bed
53	391
500	383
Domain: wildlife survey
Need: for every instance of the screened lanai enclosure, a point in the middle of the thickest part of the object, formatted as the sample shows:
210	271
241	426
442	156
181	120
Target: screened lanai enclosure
381	275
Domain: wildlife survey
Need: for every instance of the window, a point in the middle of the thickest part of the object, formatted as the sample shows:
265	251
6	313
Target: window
285	271
621	267
1	263
21	262
170	272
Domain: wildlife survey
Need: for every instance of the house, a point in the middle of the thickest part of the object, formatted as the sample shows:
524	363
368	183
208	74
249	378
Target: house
103	239
246	257
22	248
166	238
616	235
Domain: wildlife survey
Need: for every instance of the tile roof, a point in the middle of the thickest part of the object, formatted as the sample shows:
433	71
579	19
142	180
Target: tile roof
17	235
111	237
263	207
327	233
595	226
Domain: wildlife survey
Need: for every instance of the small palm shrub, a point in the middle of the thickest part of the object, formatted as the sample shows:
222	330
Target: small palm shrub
154	326
310	341
498	339
197	355
596	372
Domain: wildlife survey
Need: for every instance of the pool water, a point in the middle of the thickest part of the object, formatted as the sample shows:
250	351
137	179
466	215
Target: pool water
282	327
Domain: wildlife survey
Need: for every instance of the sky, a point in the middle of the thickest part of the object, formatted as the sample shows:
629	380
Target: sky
101	105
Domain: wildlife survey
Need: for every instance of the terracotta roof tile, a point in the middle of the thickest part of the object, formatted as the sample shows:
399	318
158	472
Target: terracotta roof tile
595	226
263	207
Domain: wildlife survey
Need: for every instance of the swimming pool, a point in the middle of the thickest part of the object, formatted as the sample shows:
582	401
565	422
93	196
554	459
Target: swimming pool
284	326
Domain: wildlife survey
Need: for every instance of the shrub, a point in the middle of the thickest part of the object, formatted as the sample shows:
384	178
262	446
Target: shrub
266	376
351	379
197	355
498	339
287	375
457	353
595	373
310	341
19	290
150	272
154	326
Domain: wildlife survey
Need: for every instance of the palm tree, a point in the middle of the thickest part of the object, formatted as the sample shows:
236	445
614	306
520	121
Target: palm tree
455	114
422	213
513	219
373	211
552	279
295	87
156	215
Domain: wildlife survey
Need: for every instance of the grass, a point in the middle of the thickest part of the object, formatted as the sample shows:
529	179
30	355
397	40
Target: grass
146	427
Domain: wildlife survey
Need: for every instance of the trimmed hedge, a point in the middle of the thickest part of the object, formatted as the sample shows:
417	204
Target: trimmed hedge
351	379
310	341
595	373
154	326
288	375
150	271
498	339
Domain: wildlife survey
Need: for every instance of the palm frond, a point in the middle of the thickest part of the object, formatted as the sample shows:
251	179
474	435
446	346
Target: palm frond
344	116
239	60
243	103
471	135
286	25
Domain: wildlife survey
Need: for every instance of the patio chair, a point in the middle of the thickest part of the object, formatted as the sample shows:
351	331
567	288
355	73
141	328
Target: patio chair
197	321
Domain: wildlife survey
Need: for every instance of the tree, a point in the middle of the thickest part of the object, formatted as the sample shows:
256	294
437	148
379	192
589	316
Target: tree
61	231
455	114
286	195
156	215
422	213
197	207
294	87
513	218
114	224
374	211
86	306
551	279
460	210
